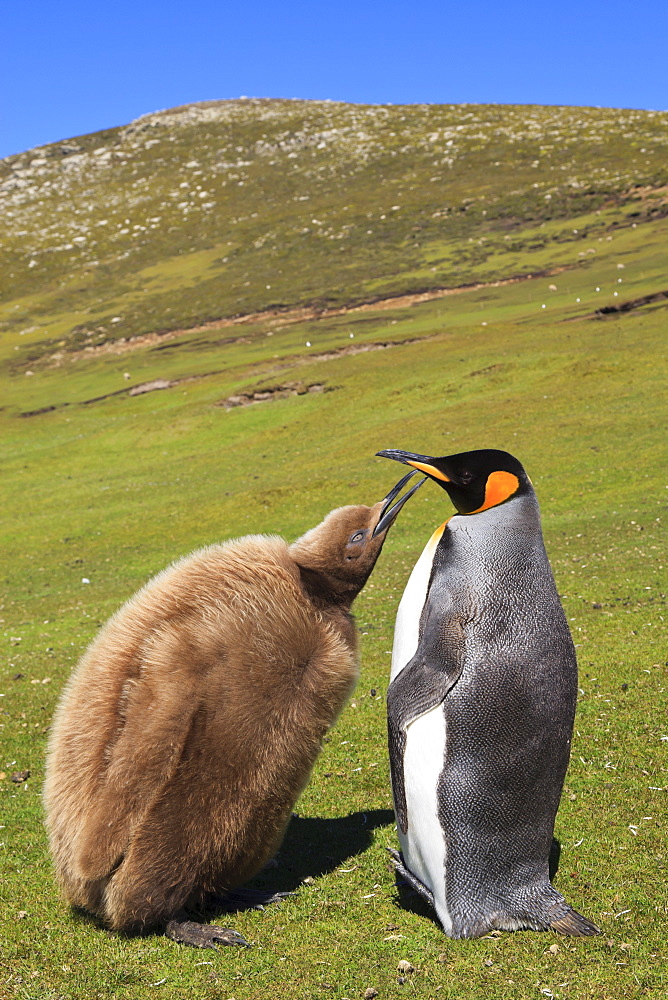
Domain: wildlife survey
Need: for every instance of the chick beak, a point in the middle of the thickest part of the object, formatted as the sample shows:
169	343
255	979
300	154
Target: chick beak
389	510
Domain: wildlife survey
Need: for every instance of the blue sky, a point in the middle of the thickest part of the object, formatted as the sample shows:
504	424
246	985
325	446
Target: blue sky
72	67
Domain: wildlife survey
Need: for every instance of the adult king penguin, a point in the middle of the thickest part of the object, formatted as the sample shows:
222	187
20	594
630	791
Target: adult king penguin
481	706
192	722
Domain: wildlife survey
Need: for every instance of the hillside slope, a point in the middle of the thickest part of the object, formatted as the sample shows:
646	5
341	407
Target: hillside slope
231	207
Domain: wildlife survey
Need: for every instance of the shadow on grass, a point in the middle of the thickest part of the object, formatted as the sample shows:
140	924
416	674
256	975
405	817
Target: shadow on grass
312	847
81	916
408	898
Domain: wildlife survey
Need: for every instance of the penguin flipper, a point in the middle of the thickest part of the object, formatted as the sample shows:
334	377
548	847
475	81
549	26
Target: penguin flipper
418	689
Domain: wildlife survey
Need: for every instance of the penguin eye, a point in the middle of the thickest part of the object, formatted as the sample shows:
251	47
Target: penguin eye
358	536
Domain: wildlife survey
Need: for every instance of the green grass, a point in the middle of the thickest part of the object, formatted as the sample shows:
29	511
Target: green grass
112	491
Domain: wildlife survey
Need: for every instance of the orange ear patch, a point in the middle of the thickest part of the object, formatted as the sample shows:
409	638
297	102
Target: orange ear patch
499	487
430	470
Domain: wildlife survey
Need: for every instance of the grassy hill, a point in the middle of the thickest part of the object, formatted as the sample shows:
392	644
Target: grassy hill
441	278
231	207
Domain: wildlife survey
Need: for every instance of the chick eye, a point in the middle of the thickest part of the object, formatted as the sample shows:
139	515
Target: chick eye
357	537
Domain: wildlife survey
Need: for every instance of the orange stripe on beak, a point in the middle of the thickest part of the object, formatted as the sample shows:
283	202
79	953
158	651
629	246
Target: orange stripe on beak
430	470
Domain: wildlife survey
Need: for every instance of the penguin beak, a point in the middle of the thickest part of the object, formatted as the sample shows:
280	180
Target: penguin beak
388	513
422	462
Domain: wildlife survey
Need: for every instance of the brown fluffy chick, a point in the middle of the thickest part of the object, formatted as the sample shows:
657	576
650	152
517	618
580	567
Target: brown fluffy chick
192	722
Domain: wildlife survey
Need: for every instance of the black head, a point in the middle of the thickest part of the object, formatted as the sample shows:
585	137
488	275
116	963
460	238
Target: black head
474	480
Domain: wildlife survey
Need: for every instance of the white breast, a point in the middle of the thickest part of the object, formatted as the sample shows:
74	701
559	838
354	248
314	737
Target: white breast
423	846
407	625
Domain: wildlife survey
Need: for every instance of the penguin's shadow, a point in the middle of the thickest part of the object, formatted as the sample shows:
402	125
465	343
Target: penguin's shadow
312	847
409	899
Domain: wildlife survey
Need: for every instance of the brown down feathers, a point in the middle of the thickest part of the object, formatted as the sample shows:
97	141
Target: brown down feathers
192	722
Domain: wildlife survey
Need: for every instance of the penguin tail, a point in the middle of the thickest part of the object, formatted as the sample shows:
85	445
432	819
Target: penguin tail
574	924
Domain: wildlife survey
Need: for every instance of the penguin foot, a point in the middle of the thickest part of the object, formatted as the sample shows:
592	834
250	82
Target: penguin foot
413	881
574	924
203	935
